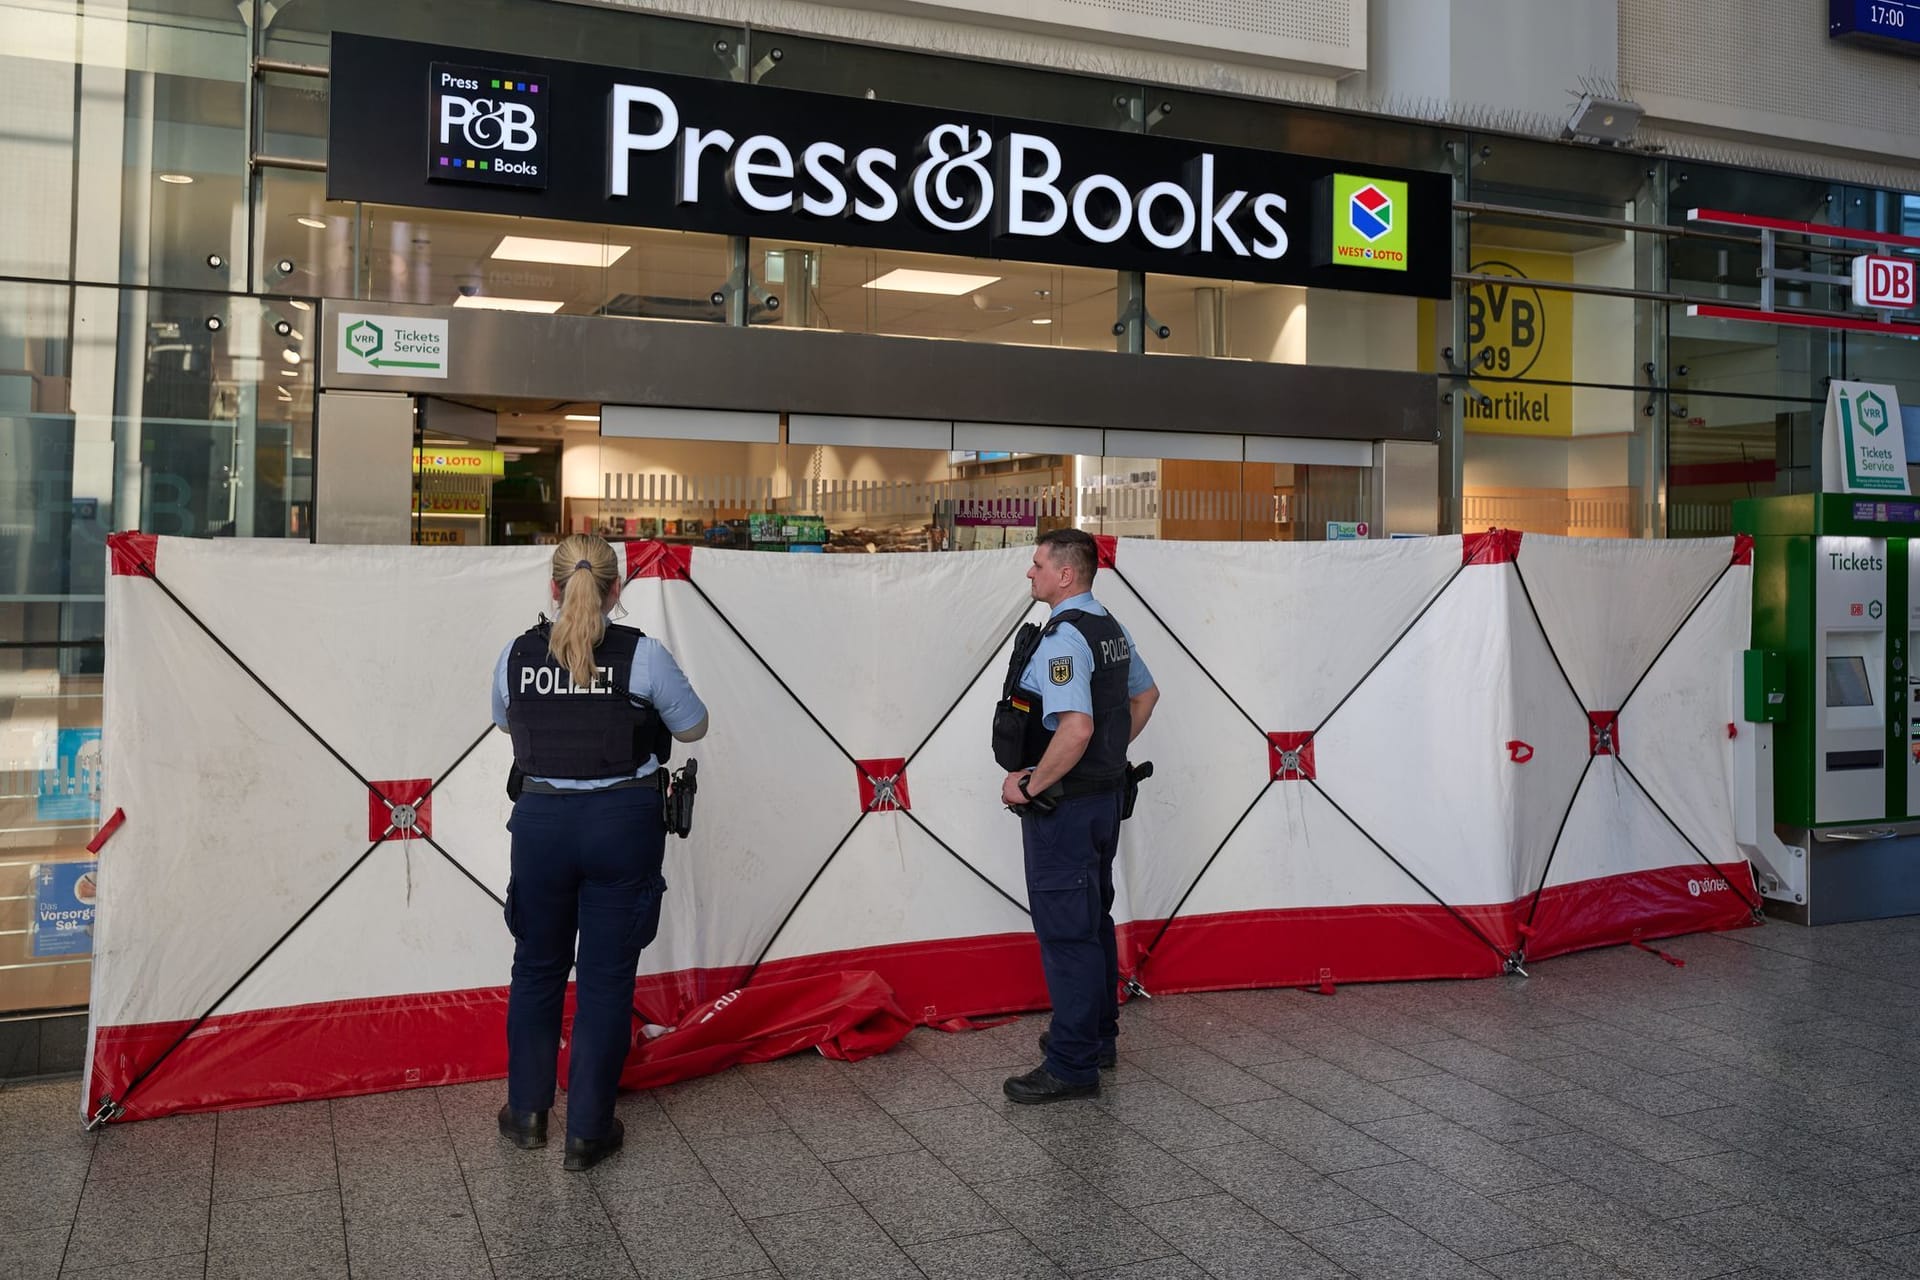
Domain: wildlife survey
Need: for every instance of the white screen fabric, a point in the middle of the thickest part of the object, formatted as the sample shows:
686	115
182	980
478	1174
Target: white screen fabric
1446	812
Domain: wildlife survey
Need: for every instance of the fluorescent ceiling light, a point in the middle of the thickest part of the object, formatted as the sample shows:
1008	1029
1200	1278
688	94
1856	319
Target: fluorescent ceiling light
583	417
316	223
290	356
1043	320
296	335
566	253
507	304
177	179
298	305
948	283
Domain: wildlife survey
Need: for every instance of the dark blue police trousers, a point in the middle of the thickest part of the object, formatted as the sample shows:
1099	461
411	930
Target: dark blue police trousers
1069	856
588	865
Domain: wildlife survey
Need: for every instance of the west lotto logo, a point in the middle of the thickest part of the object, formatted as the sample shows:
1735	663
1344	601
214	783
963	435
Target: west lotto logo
1369	222
487	126
1370	212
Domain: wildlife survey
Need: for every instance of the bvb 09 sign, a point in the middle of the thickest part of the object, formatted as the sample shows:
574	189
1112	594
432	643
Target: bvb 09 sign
1520	340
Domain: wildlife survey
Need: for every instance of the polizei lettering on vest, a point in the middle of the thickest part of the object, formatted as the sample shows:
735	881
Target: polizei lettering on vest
558	680
956	178
1115	650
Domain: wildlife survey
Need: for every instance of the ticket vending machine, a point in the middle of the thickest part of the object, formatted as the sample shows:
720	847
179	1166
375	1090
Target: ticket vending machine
1829	695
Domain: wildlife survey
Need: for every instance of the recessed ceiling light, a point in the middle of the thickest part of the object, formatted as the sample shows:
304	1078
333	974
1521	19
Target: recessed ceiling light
298	305
1043	319
566	253
318	224
177	179
583	417
507	304
290	355
947	283
289	373
296	335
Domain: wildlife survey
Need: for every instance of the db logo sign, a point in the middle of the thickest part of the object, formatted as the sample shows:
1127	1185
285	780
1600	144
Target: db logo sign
487	126
1883	283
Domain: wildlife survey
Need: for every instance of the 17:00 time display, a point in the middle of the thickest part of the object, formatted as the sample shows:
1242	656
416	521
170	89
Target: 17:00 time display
1892	25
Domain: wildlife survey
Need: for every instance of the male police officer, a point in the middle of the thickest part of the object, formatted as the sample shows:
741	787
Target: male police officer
1076	695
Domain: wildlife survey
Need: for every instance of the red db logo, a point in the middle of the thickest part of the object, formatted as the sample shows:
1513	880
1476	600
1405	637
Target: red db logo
1519	752
1883	282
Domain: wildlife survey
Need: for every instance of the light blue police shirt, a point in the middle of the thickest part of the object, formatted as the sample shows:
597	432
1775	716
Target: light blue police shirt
655	676
1067	642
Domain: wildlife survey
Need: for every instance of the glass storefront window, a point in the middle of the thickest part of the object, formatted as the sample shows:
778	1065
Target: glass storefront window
298	31
125	149
1722	448
927	296
865	486
438	258
1556	434
897	75
1285	324
180	413
1272	126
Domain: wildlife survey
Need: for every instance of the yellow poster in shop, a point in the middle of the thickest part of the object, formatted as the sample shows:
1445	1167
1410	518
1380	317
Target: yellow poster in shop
1517	330
449	504
460	462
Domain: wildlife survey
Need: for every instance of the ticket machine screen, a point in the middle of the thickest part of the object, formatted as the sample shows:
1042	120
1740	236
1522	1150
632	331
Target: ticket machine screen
1847	684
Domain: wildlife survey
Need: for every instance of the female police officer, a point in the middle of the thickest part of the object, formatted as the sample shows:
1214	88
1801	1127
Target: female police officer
588	704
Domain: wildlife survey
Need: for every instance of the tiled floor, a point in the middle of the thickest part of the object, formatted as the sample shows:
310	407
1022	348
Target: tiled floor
1755	1113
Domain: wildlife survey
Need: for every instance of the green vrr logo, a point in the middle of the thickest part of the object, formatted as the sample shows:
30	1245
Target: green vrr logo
1871	411
364	338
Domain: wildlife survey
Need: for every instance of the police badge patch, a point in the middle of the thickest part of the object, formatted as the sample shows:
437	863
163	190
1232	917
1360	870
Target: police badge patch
1061	670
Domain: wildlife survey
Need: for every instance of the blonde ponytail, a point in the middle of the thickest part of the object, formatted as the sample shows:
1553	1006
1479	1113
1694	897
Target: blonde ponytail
585	569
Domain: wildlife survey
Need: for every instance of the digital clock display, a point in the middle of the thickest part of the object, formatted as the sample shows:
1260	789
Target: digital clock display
1886	23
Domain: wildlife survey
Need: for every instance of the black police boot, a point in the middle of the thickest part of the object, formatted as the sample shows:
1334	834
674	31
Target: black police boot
584	1153
1109	1056
524	1129
1041	1085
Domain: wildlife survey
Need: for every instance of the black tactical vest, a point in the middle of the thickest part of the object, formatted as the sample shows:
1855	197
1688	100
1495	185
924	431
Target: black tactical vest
1020	737
562	731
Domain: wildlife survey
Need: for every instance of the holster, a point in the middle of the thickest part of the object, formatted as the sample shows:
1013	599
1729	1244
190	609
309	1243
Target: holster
1136	774
677	791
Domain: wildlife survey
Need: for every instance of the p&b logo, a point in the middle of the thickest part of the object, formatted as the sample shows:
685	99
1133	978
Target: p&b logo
487	126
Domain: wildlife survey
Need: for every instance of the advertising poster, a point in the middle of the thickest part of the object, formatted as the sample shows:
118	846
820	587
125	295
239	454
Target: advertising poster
70	790
62	919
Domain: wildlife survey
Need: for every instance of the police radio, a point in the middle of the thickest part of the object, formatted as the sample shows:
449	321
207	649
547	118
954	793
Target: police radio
676	799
